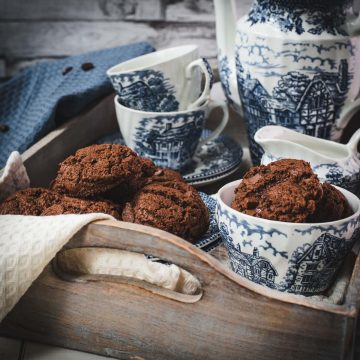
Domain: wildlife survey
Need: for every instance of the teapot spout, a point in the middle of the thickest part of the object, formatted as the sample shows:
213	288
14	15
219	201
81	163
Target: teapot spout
225	16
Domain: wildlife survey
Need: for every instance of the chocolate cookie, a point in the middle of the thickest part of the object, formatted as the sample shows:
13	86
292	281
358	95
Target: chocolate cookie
175	207
97	169
69	205
31	201
285	190
162	175
332	206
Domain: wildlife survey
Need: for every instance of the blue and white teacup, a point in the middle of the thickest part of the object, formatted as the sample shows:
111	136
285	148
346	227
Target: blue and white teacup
163	81
170	139
290	257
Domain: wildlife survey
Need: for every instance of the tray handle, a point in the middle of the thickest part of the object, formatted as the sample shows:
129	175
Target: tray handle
155	289
214	277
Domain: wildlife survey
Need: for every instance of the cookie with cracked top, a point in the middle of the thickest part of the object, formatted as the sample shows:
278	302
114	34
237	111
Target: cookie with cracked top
69	205
40	201
284	190
31	201
173	206
99	169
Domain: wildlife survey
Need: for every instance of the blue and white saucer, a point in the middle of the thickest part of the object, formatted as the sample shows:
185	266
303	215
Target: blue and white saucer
211	238
213	160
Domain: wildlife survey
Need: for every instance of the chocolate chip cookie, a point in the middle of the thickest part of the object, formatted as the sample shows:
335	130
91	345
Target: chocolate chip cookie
39	201
173	206
31	201
332	206
284	190
69	205
97	169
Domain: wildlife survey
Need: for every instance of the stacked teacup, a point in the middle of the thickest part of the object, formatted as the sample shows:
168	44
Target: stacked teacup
161	107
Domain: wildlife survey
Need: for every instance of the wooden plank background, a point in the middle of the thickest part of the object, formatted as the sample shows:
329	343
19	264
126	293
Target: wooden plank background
38	30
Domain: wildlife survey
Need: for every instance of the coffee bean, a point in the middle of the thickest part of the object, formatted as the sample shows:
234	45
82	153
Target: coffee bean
4	128
67	70
87	66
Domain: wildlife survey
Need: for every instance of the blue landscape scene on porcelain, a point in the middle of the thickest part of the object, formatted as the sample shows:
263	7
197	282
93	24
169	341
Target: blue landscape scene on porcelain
169	140
145	90
311	266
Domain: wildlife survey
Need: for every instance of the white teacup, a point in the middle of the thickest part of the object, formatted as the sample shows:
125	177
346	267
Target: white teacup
163	81
170	139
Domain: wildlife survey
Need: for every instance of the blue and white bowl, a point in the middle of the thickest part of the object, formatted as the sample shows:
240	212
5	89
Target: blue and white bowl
289	257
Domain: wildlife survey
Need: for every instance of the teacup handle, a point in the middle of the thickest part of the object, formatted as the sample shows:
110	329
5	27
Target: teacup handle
205	68
225	118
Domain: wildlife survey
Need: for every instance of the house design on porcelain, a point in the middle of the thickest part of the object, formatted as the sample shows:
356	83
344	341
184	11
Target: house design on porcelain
146	90
170	142
311	107
251	266
311	267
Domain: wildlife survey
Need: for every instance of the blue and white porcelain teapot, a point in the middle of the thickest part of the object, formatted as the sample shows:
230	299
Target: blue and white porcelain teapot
293	63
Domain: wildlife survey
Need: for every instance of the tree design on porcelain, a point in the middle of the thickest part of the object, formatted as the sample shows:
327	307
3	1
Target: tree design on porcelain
299	18
308	99
145	90
170	141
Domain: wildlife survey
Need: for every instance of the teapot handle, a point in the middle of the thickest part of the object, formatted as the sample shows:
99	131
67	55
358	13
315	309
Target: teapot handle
352	24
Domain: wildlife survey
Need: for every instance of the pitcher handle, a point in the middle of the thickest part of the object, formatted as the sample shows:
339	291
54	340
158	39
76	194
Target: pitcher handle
347	113
352	145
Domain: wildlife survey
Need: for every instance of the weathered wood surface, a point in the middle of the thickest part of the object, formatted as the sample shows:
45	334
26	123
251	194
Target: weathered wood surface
234	319
37	30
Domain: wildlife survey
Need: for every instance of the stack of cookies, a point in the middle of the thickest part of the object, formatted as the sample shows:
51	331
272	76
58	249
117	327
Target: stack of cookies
113	179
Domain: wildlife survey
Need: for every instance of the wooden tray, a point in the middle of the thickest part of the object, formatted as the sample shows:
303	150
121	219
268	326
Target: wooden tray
234	318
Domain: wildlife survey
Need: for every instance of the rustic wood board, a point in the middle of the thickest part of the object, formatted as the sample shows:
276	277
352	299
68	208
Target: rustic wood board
234	319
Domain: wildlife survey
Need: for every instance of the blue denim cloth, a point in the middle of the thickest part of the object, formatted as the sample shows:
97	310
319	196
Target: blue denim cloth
29	101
